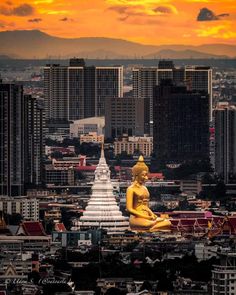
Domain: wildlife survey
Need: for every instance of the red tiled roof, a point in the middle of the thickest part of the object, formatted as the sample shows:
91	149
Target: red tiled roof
86	168
33	228
186	214
43	205
202	222
217	220
60	227
174	224
232	223
156	175
187	222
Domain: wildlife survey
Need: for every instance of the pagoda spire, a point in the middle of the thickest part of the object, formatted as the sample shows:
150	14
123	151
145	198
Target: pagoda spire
102	159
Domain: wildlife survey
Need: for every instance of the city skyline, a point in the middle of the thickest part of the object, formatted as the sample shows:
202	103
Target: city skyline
192	22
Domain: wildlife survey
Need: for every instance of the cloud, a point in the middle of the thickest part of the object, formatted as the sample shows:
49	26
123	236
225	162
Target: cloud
142	21
223	15
206	14
151	11
129	10
221	32
66	19
160	10
21	10
4	24
34	20
119	9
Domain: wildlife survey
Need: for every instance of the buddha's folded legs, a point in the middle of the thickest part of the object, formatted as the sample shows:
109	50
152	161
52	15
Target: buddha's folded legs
161	225
138	223
142	224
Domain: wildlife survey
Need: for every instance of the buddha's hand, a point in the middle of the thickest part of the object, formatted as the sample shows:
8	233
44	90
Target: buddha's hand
153	217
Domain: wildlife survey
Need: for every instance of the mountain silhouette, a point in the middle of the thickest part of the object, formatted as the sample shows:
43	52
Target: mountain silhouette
31	44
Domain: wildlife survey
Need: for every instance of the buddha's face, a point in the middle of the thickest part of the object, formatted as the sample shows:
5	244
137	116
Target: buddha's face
142	177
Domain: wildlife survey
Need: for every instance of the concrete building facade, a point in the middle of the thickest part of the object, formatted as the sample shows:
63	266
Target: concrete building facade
181	125
76	91
225	141
145	79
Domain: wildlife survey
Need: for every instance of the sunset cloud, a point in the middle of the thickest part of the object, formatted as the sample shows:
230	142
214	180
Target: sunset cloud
2	24
34	20
65	19
147	12
206	14
165	10
21	10
220	31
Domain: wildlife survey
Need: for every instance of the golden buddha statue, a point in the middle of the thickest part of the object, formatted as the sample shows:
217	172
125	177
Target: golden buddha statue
142	218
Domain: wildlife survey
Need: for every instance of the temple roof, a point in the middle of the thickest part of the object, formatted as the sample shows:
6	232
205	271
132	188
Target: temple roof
31	228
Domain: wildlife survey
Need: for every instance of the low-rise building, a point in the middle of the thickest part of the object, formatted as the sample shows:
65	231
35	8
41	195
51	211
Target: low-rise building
59	176
69	162
72	238
191	186
132	144
84	126
28	208
205	252
92	137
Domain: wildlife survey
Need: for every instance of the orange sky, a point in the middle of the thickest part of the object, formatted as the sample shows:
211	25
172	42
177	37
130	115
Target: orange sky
144	21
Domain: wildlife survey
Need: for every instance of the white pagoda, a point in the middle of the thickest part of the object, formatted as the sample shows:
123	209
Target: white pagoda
102	210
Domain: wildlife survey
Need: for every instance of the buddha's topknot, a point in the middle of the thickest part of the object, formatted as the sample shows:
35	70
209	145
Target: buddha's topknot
139	166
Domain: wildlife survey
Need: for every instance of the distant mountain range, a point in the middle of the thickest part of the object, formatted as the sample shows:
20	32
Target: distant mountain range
36	44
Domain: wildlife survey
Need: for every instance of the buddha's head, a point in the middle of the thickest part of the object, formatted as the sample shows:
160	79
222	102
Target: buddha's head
140	171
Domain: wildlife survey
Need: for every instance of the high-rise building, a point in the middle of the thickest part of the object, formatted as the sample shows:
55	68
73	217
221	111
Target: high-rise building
64	93
145	79
12	147
75	92
21	140
123	115
225	141
224	275
34	137
181	124
108	83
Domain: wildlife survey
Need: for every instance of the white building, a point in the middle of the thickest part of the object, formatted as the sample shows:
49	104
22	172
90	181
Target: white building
205	252
74	92
28	208
133	144
102	210
224	276
85	126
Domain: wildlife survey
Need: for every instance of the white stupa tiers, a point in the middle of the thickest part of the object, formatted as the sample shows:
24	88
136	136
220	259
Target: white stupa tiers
102	210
